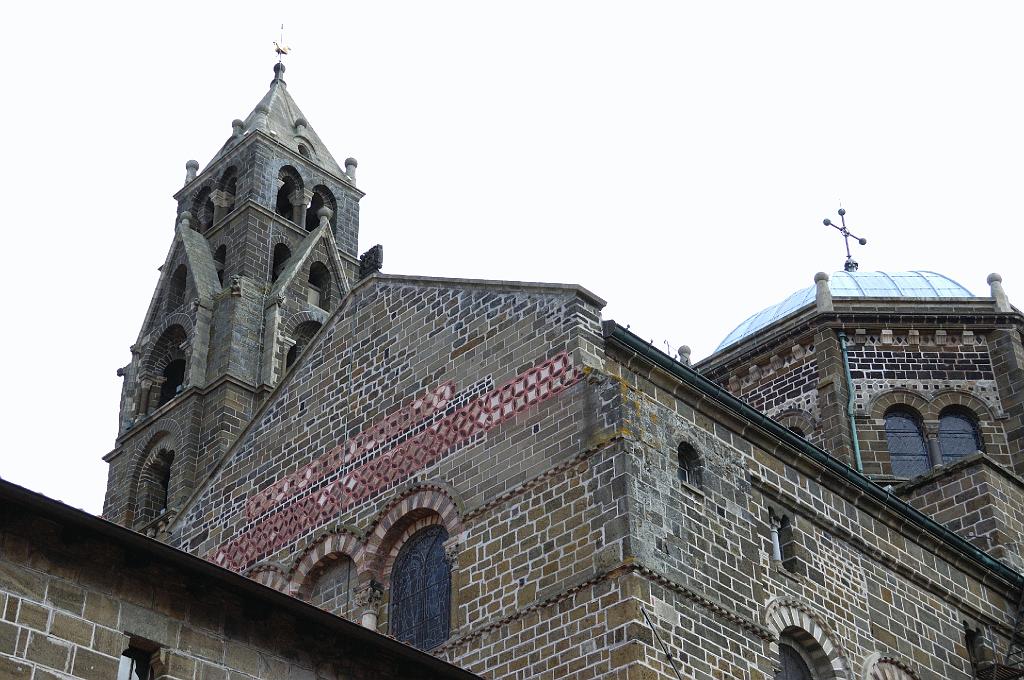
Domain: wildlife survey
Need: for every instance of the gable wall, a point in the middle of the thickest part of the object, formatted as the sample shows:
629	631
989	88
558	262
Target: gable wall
393	343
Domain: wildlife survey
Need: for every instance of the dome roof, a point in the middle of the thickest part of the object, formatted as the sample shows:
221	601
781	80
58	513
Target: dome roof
855	284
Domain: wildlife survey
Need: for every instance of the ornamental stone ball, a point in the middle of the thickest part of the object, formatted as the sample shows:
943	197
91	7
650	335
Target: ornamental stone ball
820	276
191	168
995	282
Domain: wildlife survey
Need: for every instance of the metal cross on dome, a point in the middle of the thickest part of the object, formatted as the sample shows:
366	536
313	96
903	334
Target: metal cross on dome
851	264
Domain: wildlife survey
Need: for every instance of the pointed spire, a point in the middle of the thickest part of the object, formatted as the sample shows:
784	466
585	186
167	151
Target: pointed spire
279	116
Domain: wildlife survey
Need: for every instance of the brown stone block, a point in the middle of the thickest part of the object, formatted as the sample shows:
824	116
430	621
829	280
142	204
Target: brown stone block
109	641
201	644
147	624
242	658
209	672
101	609
64	595
14	669
627	653
71	628
33	615
623	612
41	674
90	665
176	665
48	651
8	638
23	582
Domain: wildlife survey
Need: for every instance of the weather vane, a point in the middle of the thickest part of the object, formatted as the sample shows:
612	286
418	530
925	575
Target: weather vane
280	47
851	264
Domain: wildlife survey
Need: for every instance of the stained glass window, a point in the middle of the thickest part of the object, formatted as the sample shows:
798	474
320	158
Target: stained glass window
958	435
907	449
421	590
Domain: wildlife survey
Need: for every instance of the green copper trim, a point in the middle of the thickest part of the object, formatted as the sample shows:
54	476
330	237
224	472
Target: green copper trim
850	401
627	340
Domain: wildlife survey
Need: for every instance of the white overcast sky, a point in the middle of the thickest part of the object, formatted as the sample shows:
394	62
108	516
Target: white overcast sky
675	158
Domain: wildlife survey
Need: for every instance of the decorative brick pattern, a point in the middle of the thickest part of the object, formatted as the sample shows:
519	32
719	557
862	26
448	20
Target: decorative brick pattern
319	491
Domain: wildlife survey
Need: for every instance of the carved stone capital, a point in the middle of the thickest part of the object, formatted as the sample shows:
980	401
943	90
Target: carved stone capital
222	199
301	197
369	597
452	548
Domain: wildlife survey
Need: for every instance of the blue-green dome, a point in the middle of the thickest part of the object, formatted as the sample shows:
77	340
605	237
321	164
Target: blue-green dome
855	284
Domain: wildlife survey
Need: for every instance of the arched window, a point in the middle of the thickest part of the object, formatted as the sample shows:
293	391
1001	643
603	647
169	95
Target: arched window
202	209
219	260
303	333
174	377
785	542
689	469
155	486
907	449
421	586
958	434
289	182
281	256
175	296
793	665
229	185
333	587
322	197
304	151
319	292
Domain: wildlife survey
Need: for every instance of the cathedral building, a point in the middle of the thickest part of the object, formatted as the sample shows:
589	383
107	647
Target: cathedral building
471	478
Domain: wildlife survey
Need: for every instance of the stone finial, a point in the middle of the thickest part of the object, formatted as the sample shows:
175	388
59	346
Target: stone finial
262	111
822	294
324	215
995	284
191	169
300	126
278	74
684	354
237	127
350	168
184	220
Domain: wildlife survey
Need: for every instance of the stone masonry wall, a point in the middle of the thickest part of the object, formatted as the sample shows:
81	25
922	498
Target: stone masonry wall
440	402
860	580
979	501
69	608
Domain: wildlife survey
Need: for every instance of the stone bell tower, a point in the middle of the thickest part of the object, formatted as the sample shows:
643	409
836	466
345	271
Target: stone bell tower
264	248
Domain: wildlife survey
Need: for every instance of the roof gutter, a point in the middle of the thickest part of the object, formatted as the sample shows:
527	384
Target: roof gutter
627	340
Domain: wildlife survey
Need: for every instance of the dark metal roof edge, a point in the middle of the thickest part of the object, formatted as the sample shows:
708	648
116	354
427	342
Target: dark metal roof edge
229	580
627	340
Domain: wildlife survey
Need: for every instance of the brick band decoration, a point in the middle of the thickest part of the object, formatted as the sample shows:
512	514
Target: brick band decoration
382	456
